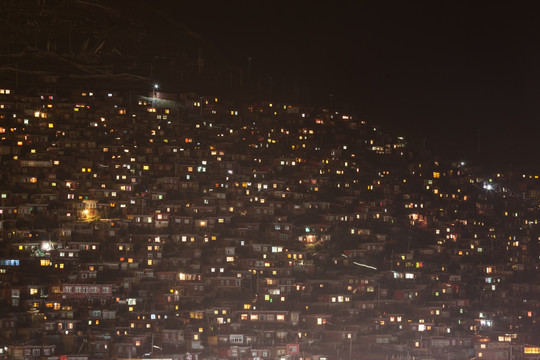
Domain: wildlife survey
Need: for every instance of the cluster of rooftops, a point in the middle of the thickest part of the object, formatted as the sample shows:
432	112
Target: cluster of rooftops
174	225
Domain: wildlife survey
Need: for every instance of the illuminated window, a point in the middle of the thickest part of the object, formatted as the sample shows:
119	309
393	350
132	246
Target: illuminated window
531	350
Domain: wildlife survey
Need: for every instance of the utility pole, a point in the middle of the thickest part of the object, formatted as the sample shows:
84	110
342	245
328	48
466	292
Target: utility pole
378	293
270	90
350	348
201	103
200	61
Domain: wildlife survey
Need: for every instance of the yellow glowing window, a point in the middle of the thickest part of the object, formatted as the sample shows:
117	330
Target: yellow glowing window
196	315
531	350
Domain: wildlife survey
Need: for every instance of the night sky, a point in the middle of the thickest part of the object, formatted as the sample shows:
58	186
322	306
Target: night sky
462	74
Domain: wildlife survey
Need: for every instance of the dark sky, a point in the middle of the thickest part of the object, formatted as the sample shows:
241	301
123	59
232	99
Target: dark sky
465	69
